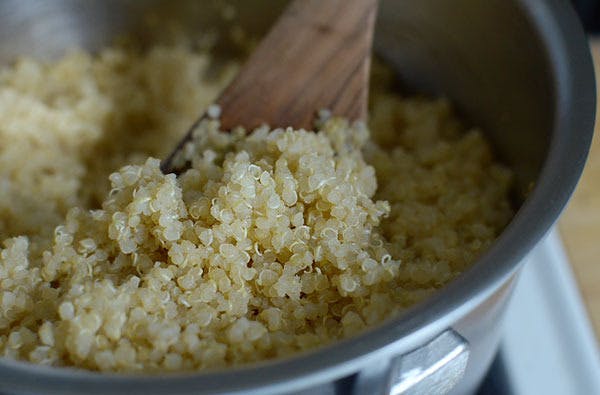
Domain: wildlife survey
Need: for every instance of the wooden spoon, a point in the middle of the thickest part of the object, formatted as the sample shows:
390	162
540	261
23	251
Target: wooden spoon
316	56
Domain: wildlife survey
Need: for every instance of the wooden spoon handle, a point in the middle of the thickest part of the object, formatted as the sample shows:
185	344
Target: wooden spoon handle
316	56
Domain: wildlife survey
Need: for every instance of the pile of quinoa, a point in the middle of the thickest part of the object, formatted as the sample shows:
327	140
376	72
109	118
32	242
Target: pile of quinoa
273	242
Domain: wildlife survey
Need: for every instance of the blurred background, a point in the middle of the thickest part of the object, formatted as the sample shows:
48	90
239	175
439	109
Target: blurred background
589	12
580	224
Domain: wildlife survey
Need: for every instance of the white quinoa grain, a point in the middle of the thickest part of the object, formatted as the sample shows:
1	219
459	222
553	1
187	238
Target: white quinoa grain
214	111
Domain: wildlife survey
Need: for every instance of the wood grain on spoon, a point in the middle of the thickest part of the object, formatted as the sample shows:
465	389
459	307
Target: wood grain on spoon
316	56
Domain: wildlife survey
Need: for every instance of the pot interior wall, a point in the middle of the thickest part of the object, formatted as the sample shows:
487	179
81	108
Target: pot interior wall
487	57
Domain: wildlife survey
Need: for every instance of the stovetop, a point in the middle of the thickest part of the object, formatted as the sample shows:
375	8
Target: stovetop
548	346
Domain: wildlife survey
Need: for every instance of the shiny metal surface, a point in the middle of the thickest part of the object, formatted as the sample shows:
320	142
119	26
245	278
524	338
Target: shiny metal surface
435	368
519	68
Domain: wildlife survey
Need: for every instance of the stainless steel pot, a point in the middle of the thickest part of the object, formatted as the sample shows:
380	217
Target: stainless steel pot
520	69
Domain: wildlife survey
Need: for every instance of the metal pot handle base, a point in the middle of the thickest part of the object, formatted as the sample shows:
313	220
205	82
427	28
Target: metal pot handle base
434	368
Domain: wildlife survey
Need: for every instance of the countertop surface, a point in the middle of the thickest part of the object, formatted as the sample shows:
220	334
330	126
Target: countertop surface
580	223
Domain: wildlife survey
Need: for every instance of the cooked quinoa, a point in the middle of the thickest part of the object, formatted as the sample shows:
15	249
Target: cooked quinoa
273	242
